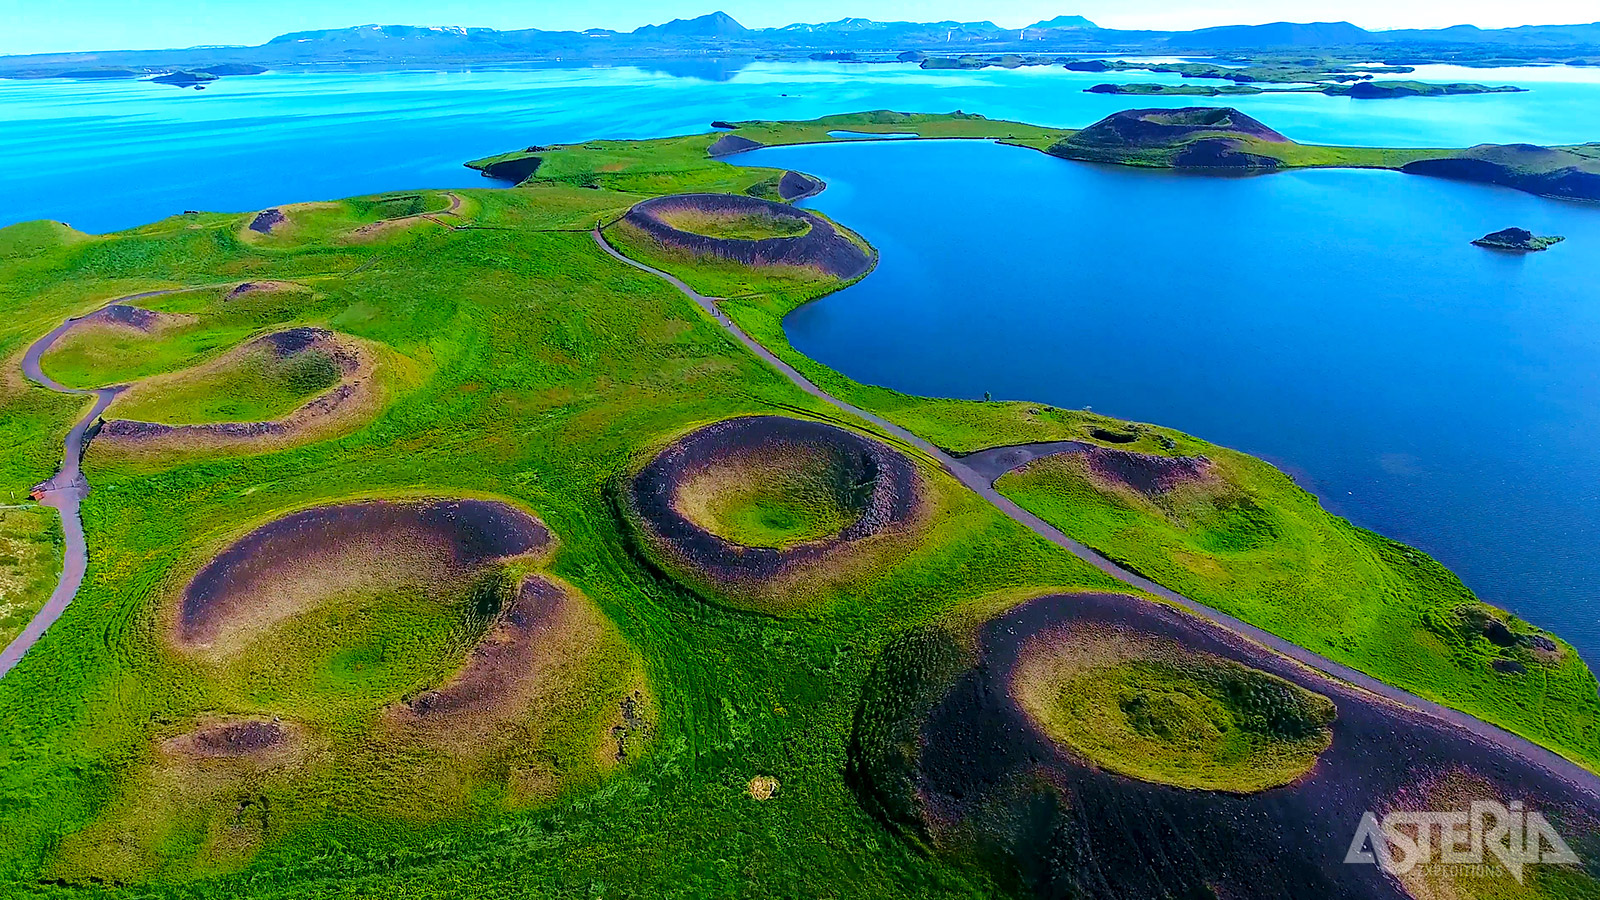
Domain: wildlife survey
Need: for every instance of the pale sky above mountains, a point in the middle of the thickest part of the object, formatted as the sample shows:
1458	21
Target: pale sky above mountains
61	25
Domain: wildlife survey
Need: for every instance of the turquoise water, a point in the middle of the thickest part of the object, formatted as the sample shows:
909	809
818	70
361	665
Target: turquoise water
105	156
1337	323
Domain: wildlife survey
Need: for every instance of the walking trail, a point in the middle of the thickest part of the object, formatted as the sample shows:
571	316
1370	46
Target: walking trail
979	472
64	492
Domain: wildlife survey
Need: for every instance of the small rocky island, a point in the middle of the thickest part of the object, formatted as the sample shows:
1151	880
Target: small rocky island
1518	239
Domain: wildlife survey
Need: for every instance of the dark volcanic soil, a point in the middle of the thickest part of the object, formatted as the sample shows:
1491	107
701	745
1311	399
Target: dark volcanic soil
794	186
891	501
231	739
1149	475
1545	171
1167	127
127	316
995	788
505	653
464	534
822	248
266	220
729	144
1195	138
295	340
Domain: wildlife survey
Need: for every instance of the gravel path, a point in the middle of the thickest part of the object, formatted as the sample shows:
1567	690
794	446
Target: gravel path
64	492
979	471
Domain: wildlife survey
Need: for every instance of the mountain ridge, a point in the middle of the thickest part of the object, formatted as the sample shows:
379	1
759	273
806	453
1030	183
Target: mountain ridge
376	45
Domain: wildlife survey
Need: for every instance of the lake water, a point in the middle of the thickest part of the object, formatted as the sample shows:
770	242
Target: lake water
110	155
1337	323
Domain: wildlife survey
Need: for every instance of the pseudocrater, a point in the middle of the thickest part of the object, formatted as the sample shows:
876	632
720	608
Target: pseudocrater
750	231
1146	708
284	387
356	606
749	504
417	642
1107	746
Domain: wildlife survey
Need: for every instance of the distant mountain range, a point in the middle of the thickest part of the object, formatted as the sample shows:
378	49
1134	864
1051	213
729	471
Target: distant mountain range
720	35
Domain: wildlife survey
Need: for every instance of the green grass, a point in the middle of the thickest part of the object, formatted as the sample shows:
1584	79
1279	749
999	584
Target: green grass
1191	721
257	386
776	520
344	661
770	502
30	563
1257	546
744	226
550	371
546	372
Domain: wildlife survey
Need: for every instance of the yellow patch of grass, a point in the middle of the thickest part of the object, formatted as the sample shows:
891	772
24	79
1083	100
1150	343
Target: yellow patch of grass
1150	709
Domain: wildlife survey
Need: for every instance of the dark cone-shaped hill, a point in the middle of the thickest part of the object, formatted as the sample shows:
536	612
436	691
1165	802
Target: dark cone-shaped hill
1547	171
1193	137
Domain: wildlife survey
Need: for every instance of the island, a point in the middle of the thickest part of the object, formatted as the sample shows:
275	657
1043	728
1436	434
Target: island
497	542
1518	239
196	80
1220	139
1192	138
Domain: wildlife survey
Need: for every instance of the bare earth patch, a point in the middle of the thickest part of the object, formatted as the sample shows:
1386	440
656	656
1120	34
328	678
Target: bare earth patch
763	787
253	738
1147	474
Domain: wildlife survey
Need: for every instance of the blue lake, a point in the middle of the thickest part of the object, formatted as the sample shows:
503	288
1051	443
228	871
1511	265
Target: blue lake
1338	323
111	155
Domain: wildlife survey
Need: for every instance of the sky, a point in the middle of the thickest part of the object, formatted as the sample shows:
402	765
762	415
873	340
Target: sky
40	26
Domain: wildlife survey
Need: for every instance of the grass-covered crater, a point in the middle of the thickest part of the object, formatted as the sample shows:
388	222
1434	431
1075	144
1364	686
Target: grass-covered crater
413	641
736	224
1148	710
748	503
262	380
776	500
1106	746
747	230
224	369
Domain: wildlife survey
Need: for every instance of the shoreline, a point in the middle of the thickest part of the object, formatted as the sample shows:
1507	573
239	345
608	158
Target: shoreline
977	479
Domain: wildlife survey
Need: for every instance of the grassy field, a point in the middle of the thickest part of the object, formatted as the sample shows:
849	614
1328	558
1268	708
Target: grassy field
1255	545
30	562
548	371
542	372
